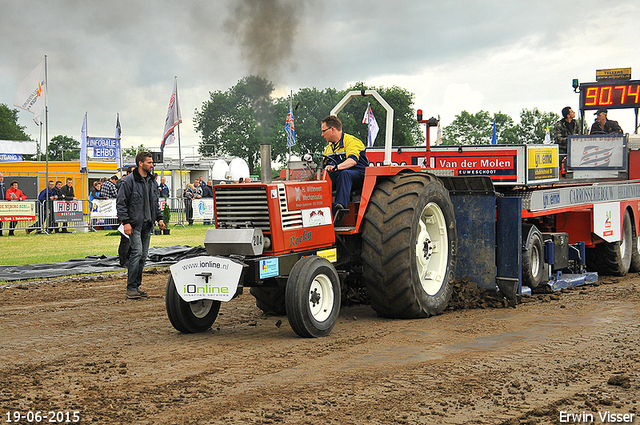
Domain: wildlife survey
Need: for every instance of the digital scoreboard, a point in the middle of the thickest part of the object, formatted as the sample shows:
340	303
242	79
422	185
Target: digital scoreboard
610	95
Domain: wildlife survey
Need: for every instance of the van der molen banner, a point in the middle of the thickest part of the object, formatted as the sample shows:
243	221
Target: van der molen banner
104	147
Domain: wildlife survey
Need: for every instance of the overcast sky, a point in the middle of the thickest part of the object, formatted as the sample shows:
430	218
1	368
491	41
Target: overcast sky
121	56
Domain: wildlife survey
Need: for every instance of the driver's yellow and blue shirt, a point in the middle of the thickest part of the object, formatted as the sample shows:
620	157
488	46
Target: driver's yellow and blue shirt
348	147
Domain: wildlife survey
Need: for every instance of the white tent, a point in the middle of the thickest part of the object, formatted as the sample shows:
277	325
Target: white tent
27	147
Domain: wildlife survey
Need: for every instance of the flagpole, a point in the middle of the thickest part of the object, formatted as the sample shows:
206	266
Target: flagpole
119	143
289	159
182	182
46	132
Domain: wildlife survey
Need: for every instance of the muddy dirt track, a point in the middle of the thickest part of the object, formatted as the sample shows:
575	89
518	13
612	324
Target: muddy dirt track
77	344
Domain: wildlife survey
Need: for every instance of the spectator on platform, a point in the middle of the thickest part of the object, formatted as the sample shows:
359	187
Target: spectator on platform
14	194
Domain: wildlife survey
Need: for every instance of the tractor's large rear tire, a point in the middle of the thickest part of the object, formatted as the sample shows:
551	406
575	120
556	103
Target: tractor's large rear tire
613	259
197	316
312	297
409	246
270	300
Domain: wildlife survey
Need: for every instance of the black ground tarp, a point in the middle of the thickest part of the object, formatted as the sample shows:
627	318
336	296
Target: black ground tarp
158	256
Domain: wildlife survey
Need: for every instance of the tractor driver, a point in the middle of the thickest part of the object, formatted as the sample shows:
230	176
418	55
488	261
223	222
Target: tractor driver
350	161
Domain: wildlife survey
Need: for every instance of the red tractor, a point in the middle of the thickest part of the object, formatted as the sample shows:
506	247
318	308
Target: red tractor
398	240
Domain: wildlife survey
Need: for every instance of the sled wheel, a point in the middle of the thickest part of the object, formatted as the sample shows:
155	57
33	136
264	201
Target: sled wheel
312	297
270	300
532	256
635	252
613	258
409	246
189	317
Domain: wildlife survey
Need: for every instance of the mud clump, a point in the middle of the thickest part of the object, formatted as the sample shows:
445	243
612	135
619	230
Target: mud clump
467	295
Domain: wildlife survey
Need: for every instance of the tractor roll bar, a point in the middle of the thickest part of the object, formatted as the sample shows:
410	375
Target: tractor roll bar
389	109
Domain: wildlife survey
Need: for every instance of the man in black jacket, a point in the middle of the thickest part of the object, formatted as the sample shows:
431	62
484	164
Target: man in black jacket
138	209
603	125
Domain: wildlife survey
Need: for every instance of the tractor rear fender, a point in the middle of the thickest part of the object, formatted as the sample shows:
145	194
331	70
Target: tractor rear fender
371	176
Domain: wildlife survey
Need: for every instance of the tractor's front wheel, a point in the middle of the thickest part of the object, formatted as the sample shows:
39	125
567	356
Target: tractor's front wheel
409	246
189	317
312	297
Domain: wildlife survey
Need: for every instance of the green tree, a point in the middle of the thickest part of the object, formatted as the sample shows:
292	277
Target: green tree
310	107
9	127
237	121
63	148
533	125
133	151
477	129
406	129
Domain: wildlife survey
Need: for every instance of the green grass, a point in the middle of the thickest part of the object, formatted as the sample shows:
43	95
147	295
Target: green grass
37	249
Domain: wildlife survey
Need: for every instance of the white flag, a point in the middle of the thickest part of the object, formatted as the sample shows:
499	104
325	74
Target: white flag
547	137
173	118
32	93
372	124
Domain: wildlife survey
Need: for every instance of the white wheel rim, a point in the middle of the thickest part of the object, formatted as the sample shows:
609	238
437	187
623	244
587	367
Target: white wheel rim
321	298
201	308
535	261
432	248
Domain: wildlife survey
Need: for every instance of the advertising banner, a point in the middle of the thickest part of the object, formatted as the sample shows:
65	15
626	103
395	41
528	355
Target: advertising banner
103	208
505	164
104	147
17	211
10	157
593	152
203	209
542	163
65	211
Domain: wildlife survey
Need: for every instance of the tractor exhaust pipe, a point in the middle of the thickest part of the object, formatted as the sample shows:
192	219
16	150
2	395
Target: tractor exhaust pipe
265	163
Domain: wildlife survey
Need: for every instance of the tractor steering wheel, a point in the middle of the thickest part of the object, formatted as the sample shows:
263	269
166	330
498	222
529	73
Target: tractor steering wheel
330	159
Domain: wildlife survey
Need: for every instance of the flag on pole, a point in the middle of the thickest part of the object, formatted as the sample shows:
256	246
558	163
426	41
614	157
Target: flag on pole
439	134
547	137
83	145
174	118
373	127
289	126
32	93
494	138
119	147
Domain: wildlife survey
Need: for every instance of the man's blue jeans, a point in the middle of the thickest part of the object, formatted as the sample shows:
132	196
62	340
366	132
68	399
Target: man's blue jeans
343	181
140	238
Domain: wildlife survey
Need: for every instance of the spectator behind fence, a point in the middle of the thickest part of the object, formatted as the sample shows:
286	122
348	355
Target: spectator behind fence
109	189
46	198
207	192
188	203
67	194
3	194
14	194
95	192
163	188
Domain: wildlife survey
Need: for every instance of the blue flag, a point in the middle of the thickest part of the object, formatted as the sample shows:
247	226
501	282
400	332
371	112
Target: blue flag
494	138
289	127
